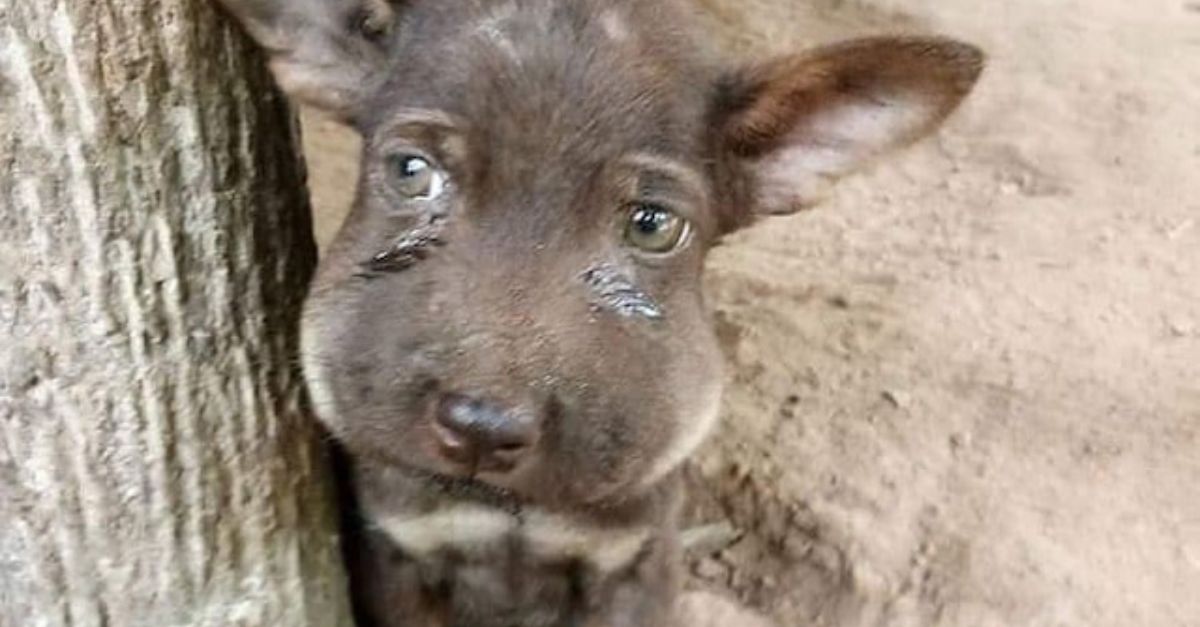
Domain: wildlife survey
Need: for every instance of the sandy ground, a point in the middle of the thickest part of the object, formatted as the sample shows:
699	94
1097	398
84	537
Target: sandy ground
967	391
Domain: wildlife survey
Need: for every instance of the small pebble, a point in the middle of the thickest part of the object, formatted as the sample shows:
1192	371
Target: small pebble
840	301
900	400
1181	327
710	539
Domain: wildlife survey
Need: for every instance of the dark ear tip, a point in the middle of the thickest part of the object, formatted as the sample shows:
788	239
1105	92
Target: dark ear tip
949	66
968	58
941	60
963	61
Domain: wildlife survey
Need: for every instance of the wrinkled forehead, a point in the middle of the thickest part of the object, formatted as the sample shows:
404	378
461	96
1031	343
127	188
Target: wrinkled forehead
547	76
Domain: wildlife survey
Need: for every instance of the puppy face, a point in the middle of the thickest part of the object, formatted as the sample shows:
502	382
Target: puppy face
515	298
528	239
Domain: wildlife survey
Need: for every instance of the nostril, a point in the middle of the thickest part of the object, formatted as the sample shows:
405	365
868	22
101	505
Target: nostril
471	431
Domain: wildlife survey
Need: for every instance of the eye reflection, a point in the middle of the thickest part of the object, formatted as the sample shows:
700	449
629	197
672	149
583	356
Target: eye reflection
655	229
416	178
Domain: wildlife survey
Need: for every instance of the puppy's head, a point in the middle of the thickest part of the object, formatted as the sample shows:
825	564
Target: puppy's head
516	297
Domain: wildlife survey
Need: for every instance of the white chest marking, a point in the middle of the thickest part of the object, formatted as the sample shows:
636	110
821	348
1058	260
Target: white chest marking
473	529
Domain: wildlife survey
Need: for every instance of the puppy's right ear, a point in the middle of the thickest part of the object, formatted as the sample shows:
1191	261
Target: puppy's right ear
326	53
798	123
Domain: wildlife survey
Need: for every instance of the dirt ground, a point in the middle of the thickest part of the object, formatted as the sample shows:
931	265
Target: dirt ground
966	392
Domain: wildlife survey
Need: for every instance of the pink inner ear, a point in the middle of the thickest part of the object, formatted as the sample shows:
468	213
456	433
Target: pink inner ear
842	136
809	119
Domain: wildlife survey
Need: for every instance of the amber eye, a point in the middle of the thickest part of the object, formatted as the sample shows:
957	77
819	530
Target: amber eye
655	229
416	177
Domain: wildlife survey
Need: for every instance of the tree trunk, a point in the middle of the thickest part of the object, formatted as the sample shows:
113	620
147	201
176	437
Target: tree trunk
157	465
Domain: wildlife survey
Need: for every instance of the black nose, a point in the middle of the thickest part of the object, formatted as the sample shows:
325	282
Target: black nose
469	431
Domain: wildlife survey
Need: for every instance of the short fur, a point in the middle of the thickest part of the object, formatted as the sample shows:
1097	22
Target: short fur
550	118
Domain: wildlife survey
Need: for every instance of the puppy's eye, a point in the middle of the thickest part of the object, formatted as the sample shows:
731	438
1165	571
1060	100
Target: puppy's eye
416	178
655	229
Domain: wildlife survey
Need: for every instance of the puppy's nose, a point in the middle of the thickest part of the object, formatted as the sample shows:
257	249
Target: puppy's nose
470	431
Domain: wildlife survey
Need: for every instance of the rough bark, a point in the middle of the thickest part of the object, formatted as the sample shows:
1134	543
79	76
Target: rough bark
157	465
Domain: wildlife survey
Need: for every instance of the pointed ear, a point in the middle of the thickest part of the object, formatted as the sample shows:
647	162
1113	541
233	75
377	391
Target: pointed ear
326	53
796	124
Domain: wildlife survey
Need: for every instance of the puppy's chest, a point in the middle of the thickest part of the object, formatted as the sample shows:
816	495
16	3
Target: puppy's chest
484	567
472	533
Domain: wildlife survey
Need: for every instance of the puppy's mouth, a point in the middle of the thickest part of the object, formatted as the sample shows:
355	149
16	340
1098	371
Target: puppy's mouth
467	487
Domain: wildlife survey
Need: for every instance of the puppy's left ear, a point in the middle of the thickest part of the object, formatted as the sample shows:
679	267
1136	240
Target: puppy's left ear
794	125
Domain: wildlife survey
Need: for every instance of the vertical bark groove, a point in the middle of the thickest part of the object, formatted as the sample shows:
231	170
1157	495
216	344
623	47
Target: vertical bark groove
157	466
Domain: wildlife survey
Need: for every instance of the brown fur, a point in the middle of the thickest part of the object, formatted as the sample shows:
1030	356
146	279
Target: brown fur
514	287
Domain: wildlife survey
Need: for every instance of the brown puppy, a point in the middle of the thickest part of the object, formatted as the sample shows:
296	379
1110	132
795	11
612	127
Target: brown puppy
508	335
